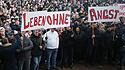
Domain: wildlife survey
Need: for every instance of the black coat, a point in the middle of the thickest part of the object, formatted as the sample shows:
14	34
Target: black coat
89	36
102	39
109	39
37	41
79	38
9	52
68	38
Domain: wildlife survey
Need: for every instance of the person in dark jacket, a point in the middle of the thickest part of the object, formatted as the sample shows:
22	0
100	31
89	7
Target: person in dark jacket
79	47
101	48
109	44
36	50
68	45
92	43
122	53
121	33
13	25
24	52
7	53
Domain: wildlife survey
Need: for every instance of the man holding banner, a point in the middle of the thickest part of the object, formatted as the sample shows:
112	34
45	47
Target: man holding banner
101	14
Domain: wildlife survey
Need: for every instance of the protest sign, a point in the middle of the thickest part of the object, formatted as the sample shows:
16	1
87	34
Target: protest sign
122	10
58	19
44	19
103	14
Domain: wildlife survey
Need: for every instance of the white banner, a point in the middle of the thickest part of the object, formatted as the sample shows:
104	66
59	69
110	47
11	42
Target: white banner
122	10
57	19
44	19
103	14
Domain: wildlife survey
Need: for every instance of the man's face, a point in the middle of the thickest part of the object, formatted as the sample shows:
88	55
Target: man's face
36	33
2	33
17	22
52	30
77	29
23	33
69	28
13	21
109	29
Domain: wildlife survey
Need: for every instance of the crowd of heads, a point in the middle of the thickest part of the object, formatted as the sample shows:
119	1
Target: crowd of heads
11	10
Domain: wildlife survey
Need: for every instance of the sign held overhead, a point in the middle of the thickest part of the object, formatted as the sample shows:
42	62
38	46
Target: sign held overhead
44	19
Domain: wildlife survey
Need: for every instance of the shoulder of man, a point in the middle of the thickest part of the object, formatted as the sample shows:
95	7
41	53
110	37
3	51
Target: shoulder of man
56	32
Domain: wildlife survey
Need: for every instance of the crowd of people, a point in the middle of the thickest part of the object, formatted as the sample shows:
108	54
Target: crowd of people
93	43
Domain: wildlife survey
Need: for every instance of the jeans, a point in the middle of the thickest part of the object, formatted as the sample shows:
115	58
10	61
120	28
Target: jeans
51	58
35	63
24	64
